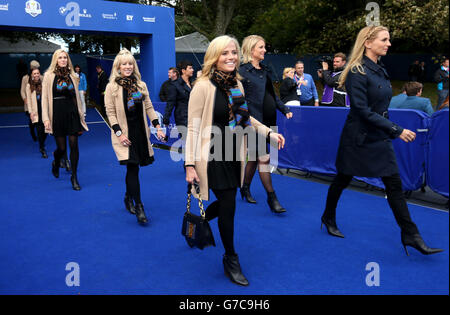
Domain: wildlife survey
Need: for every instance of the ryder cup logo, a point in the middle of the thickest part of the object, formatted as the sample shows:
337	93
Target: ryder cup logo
72	12
33	8
4	7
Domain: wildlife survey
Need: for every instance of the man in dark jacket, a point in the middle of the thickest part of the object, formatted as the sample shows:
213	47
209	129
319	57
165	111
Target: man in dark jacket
441	78
101	87
164	92
178	95
332	94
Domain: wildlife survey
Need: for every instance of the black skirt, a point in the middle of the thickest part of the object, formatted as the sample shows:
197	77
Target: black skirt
66	119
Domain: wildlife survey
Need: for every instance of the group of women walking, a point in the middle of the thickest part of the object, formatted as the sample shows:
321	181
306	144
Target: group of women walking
228	95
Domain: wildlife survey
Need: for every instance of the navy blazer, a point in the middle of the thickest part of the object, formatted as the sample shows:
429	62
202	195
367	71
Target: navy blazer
178	97
254	82
365	147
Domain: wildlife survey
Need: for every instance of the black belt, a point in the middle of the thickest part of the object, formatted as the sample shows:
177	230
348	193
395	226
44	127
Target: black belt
59	98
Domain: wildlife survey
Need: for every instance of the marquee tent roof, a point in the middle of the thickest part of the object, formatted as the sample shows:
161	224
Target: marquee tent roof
27	47
195	42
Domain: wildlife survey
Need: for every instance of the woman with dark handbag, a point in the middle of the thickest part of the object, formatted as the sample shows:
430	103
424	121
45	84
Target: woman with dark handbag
127	103
367	134
33	92
262	104
217	110
62	112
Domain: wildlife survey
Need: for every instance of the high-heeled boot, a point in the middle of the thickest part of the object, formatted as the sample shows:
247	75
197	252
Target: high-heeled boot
140	213
274	204
416	241
233	270
74	181
331	226
129	204
55	167
246	195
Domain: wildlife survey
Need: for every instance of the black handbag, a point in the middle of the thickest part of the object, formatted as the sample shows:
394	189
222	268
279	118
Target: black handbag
196	228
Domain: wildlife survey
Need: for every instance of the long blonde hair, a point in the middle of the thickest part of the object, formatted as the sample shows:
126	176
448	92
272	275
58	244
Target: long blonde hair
125	56
213	53
368	33
54	62
247	46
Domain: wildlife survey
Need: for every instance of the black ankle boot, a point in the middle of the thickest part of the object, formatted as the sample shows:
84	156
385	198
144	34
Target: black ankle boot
67	166
140	213
55	169
233	270
129	204
274	204
331	227
416	241
245	194
75	184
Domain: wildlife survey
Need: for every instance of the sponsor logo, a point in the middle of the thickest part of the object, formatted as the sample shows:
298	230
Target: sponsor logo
73	13
108	16
33	8
85	14
130	17
4	7
149	19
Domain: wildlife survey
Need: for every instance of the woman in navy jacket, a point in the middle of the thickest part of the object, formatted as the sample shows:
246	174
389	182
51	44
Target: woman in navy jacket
365	147
262	105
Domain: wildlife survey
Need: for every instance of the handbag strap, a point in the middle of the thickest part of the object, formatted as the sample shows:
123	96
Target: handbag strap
200	201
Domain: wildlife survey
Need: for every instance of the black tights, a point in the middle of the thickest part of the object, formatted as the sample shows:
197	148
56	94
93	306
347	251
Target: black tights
61	151
224	208
132	182
266	178
41	135
395	197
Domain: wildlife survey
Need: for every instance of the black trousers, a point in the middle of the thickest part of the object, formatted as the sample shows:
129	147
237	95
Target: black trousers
224	208
395	197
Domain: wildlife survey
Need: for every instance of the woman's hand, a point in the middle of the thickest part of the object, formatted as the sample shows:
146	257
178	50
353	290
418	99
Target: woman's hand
33	116
47	125
124	140
191	175
161	135
289	115
279	138
407	135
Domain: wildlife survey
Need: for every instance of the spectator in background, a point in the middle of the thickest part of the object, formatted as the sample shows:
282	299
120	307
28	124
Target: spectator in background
288	88
441	78
444	105
422	73
333	95
82	87
101	87
414	71
306	89
163	93
414	100
398	99
23	89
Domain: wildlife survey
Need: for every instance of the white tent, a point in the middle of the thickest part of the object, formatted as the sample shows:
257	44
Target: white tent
28	47
191	43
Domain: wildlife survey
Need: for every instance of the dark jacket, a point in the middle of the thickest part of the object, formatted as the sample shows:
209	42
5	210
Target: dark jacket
365	148
331	78
178	97
254	83
102	82
441	77
288	91
164	92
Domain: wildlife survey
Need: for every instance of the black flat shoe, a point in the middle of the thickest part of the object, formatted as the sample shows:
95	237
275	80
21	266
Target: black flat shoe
274	204
140	213
331	228
129	204
246	195
75	184
416	241
233	270
55	169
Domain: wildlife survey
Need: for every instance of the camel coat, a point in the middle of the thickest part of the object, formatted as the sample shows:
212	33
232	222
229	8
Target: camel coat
200	120
32	103
115	110
47	100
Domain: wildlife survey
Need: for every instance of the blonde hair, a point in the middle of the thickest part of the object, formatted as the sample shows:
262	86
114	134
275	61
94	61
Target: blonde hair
247	46
213	53
368	33
54	62
286	71
125	56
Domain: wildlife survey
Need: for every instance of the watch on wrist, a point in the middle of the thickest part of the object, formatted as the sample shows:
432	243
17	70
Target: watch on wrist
118	133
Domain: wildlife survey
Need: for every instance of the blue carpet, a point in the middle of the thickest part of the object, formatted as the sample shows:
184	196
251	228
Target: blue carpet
46	225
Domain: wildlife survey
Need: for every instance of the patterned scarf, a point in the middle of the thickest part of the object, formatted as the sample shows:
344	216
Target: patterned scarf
238	109
133	94
63	78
